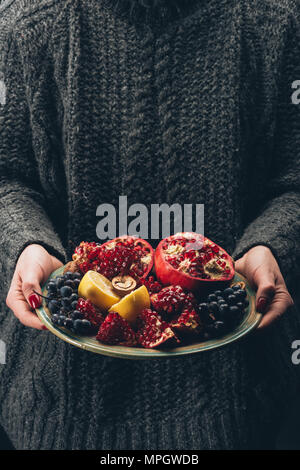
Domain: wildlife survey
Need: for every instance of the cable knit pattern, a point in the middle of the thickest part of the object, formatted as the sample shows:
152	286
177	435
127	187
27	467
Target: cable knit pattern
186	107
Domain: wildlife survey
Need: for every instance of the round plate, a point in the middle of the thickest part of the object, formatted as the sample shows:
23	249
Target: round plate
250	321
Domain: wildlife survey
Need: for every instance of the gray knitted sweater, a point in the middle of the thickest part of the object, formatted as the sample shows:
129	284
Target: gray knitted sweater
193	107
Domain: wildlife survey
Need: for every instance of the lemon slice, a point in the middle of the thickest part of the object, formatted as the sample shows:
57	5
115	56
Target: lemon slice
98	289
132	304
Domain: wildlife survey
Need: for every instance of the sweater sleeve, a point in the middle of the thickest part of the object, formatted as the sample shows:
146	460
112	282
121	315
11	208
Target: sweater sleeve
23	215
277	226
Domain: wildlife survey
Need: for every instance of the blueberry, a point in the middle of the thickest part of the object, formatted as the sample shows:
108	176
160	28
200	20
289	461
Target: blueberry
59	281
246	303
76	283
240	306
74	304
241	293
53	306
66	302
234	309
61	320
212	298
218	293
240	296
63	311
203	308
50	297
235	288
223	309
77	276
66	291
55	318
85	325
234	313
68	275
70	283
213	307
68	323
221	301
224	306
228	291
77	325
231	299
74	297
51	287
204	312
76	315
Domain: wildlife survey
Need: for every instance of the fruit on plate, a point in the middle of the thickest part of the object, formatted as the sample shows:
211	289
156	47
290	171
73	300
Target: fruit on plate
188	323
90	312
124	255
152	284
193	262
62	299
172	300
132	304
98	289
116	330
152	331
223	310
106	288
186	319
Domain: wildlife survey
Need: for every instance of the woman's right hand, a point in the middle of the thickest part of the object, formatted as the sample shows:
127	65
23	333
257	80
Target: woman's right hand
33	268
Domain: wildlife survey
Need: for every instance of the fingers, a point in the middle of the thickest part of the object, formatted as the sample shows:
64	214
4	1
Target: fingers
260	267
281	302
31	291
31	279
266	288
55	263
21	309
33	268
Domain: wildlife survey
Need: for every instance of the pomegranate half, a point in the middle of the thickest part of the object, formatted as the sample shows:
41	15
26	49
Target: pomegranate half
193	262
125	255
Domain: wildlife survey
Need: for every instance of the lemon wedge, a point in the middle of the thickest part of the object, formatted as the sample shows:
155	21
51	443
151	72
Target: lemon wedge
98	289
132	304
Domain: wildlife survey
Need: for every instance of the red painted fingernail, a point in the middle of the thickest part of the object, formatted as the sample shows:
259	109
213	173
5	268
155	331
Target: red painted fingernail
34	300
262	304
44	328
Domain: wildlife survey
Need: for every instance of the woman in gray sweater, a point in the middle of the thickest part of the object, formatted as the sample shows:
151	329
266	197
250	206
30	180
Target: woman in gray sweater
178	102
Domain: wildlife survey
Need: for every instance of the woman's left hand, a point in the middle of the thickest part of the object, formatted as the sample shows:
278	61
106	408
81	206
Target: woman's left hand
261	269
